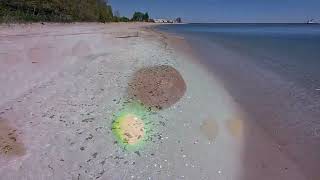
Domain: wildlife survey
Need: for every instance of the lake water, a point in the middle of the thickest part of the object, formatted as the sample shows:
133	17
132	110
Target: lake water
293	50
273	72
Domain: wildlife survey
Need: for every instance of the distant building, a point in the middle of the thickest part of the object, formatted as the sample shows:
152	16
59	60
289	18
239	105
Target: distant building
162	21
313	21
178	20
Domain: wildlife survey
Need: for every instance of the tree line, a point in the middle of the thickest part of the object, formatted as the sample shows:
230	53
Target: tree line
62	11
137	17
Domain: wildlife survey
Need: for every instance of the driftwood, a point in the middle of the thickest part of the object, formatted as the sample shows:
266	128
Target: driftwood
129	36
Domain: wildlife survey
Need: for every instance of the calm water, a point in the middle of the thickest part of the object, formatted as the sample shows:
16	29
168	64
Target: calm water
273	72
292	50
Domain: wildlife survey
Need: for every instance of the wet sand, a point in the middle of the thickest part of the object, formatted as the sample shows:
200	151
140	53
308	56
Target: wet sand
64	83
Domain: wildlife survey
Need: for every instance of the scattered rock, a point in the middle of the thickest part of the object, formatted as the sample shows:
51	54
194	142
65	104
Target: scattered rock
138	153
88	120
162	123
90	137
94	155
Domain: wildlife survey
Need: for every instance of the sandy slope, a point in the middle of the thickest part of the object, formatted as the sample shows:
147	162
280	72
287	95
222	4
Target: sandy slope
61	85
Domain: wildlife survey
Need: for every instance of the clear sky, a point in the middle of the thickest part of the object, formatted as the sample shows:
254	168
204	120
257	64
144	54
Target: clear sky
224	10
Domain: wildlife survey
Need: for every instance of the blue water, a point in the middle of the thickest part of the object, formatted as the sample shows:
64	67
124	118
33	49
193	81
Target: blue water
273	72
292	50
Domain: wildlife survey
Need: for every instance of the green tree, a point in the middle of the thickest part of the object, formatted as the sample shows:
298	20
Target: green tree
137	16
146	17
124	19
55	10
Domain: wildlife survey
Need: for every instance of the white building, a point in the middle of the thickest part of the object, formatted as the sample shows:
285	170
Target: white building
163	21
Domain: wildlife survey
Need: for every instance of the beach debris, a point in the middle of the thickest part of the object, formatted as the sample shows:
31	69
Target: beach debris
90	137
10	144
122	37
136	34
138	153
94	155
88	120
210	129
157	86
196	142
318	89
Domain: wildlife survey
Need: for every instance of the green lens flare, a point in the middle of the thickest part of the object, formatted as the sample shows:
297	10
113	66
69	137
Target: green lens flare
131	126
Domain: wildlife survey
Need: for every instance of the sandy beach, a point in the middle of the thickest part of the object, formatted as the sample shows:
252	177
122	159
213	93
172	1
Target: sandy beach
63	84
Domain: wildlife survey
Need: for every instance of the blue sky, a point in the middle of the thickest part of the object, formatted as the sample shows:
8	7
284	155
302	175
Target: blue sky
224	10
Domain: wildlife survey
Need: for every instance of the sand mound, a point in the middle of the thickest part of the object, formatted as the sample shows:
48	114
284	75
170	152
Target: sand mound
157	86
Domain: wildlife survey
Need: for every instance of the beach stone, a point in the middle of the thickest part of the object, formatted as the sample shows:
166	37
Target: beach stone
157	86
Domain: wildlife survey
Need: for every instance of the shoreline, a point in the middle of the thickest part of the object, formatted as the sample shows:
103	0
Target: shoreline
63	105
283	125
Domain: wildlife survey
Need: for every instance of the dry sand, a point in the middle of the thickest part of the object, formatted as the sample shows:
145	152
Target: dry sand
61	85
